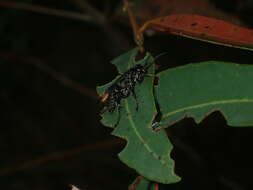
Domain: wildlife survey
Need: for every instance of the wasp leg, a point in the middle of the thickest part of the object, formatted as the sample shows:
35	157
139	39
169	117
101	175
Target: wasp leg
119	115
135	97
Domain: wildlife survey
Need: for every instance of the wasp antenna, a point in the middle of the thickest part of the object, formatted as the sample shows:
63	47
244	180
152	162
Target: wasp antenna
155	58
159	55
149	64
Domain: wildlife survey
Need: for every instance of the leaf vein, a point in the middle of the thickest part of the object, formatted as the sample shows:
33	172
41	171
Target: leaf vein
140	137
231	101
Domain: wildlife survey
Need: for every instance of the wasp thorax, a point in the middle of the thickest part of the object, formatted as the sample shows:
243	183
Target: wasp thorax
124	87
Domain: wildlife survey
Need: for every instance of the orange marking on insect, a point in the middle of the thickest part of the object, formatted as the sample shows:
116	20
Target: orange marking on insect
104	97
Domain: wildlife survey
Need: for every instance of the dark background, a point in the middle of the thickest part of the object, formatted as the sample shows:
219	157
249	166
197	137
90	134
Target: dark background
50	135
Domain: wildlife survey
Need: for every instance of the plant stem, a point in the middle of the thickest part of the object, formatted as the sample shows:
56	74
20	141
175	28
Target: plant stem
137	35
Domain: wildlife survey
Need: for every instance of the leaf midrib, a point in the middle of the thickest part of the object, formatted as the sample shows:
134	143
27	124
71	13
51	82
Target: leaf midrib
231	101
145	144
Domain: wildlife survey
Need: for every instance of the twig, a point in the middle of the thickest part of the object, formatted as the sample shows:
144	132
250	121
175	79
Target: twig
48	11
156	186
54	74
231	184
137	34
135	184
59	156
62	78
88	9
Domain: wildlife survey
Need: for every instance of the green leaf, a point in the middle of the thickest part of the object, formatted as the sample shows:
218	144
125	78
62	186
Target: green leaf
196	90
147	152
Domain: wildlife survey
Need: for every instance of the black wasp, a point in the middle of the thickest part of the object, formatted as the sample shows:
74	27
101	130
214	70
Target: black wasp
123	87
